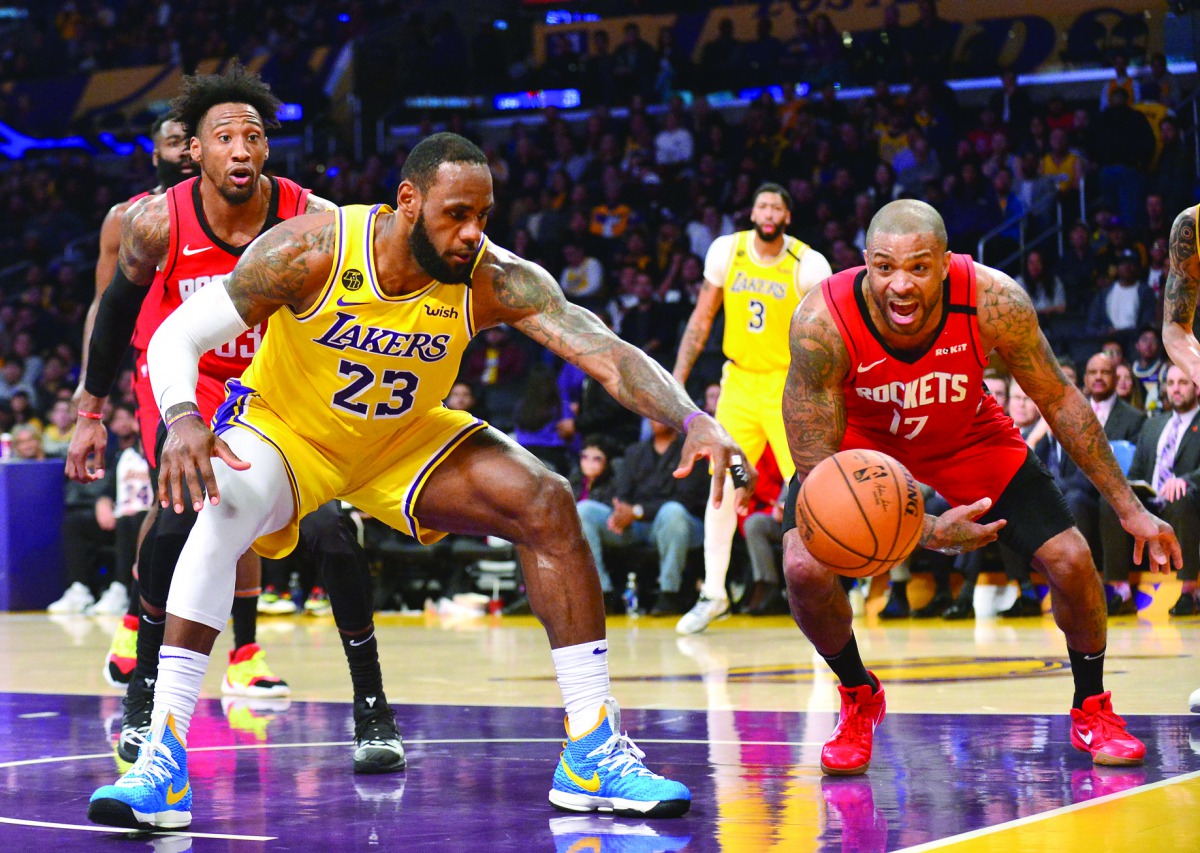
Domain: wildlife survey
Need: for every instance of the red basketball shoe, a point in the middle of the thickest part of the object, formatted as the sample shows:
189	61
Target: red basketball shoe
848	750
1096	729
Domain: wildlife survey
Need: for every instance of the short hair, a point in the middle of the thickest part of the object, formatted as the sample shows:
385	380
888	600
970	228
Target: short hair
157	126
907	216
421	166
202	92
778	189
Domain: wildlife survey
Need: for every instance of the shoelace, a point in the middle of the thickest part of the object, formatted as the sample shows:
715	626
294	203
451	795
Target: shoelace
257	667
379	730
857	722
627	758
1106	722
146	766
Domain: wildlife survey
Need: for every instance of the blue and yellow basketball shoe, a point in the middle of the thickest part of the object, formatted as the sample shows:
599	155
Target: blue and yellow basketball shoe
155	792
602	771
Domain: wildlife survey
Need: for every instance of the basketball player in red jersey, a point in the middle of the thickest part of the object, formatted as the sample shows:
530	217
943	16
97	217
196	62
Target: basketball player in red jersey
172	164
1179	314
171	246
890	357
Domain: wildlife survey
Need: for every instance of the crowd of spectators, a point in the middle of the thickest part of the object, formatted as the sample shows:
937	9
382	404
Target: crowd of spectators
620	207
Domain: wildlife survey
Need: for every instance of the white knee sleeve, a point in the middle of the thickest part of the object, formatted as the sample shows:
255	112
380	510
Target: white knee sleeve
719	527
253	502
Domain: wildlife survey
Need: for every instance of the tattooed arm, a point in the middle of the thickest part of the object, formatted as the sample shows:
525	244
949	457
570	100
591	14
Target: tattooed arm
695	336
143	233
814	406
511	290
287	266
1008	323
1179	295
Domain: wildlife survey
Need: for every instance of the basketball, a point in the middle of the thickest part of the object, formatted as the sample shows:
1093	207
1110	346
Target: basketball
860	512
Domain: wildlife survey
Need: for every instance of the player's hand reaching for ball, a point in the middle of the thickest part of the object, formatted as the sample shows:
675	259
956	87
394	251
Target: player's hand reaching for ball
185	466
1147	529
955	531
706	437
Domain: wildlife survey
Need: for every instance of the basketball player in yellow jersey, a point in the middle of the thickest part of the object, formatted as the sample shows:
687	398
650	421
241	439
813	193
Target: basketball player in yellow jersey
370	310
760	275
1179	315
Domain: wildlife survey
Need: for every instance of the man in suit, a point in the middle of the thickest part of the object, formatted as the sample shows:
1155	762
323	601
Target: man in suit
1121	422
1167	457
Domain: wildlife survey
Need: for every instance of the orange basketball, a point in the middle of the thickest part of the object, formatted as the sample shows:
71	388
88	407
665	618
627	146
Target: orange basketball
860	512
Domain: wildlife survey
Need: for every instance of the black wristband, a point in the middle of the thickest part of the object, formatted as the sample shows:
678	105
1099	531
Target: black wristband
116	318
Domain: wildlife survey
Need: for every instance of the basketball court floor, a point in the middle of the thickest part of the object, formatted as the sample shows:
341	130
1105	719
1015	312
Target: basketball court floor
974	754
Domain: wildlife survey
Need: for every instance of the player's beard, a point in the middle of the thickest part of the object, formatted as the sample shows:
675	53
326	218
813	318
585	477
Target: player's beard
427	256
170	172
769	238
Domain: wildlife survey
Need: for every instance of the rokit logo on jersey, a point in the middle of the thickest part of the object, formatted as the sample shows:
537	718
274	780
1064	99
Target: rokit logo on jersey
190	286
932	388
761	286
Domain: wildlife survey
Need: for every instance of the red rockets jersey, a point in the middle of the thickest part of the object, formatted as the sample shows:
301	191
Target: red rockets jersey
928	409
197	257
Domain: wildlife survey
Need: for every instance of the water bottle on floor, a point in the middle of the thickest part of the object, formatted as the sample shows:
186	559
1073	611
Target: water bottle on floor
631	595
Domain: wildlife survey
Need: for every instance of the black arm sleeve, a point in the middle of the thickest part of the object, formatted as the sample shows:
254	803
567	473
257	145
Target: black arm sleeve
116	317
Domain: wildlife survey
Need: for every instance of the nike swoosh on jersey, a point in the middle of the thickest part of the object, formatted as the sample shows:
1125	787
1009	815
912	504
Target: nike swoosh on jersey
863	368
189	251
345	304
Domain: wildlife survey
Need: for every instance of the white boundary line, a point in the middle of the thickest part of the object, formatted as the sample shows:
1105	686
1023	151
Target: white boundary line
1035	818
110	830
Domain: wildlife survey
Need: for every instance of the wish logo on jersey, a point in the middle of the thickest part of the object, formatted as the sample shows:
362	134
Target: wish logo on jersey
927	390
346	333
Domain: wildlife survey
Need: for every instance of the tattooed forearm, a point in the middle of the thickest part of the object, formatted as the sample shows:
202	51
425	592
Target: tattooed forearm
1179	295
316	204
278	269
814	406
1008	322
533	303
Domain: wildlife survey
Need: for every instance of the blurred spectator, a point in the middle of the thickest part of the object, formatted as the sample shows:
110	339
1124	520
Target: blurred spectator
57	437
721	58
1045	289
1124	306
27	442
1129	389
499	361
133	499
652	507
1123	145
1157	224
87	530
1077	267
582	279
594	478
762	527
633	66
1149	367
1174	174
673	145
1157	84
1011	104
1120	82
1063	166
539	417
461	397
761	58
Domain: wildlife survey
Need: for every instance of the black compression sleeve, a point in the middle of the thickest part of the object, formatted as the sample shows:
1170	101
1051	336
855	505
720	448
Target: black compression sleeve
115	320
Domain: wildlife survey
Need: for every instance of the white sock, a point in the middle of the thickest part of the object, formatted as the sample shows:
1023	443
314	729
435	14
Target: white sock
583	679
719	527
1122	589
180	673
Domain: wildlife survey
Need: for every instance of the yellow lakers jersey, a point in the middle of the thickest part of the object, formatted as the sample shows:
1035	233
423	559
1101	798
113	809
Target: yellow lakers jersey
759	302
359	365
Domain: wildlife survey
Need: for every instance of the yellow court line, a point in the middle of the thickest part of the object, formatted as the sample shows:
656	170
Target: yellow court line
1159	817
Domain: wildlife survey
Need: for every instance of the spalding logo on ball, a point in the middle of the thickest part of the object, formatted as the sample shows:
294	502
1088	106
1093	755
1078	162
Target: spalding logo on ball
860	513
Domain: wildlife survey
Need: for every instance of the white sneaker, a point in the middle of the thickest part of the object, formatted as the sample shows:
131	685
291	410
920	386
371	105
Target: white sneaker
703	613
1194	702
76	599
114	601
858	598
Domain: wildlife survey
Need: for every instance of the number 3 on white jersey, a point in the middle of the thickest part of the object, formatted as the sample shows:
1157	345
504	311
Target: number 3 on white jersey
897	422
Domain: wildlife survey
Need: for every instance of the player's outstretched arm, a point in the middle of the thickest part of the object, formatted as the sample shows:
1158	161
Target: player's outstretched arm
286	266
1008	323
144	233
530	300
1179	295
699	325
